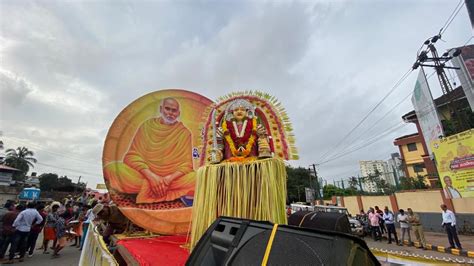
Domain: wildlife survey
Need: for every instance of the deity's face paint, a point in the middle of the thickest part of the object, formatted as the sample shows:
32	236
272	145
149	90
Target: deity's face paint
239	113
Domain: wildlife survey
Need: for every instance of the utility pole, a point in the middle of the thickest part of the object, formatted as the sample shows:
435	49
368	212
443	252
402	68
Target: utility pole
310	181
342	181
360	183
318	194
439	64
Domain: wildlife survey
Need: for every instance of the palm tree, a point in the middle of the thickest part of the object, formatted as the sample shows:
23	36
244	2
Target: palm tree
21	159
353	182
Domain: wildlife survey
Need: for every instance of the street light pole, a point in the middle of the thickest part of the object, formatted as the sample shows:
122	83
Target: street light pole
318	194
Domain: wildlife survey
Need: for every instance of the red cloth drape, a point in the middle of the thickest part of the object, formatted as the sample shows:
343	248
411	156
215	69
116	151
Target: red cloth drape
163	250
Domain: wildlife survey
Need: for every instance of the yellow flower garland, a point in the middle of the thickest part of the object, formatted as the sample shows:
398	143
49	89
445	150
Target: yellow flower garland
230	141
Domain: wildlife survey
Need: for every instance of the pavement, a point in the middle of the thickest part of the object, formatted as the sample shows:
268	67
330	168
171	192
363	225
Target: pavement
439	240
69	256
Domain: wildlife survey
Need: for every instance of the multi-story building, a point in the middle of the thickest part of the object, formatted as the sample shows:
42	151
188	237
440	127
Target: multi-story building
395	165
414	154
368	168
413	148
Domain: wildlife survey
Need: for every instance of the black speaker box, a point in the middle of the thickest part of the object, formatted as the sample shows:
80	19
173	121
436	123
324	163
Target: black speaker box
330	221
232	241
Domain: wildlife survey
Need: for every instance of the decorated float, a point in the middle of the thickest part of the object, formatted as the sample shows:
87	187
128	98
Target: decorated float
174	161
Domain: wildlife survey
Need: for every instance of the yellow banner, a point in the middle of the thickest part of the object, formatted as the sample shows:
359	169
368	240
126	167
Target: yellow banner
454	157
100	186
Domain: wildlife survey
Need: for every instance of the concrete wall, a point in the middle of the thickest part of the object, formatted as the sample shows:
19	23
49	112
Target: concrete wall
432	222
420	201
4	197
464	205
425	202
351	204
8	193
372	201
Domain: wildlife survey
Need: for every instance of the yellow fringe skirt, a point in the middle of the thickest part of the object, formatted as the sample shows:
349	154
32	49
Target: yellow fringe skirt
252	190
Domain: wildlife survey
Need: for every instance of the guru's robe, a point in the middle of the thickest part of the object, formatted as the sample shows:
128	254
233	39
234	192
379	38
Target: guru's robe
164	149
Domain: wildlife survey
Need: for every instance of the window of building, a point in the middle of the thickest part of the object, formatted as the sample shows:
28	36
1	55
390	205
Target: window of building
411	146
417	168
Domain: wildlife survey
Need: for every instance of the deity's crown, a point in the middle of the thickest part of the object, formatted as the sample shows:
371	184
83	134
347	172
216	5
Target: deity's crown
239	103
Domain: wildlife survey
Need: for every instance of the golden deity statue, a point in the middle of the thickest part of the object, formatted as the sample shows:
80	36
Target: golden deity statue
240	136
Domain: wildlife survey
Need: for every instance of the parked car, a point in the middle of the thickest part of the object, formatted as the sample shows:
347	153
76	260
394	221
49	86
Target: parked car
356	226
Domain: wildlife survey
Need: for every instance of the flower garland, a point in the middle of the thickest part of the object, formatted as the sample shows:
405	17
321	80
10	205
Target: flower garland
248	138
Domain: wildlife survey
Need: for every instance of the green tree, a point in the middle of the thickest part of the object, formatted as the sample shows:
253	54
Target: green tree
298	179
353	183
406	183
375	179
419	182
332	190
21	159
48	182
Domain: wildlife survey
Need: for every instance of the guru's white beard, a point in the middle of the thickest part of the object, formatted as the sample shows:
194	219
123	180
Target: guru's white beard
168	121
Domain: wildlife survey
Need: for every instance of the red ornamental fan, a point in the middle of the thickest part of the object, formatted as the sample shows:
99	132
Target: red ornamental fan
271	115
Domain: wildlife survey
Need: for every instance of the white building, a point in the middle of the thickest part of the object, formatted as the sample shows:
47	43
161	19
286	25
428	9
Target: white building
395	166
368	168
6	173
32	181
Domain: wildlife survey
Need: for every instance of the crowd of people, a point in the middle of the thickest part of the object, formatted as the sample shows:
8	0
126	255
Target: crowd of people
384	222
60	222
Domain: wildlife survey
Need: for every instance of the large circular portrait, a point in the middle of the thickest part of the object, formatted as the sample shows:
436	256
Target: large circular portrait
150	156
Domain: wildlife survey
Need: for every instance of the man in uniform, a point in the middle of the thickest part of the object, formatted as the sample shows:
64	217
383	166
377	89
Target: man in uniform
416	226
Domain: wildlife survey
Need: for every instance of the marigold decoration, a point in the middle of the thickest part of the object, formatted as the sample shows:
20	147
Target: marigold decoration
249	138
244	175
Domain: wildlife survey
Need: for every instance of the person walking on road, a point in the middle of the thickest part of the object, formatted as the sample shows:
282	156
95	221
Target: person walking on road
374	219
449	224
22	224
35	231
61	233
415	223
8	231
390	224
49	228
381	221
402	218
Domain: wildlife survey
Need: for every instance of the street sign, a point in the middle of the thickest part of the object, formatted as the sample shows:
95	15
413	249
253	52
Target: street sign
309	192
30	194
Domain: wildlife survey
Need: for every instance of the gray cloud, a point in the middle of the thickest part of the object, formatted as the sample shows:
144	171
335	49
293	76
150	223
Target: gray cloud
72	67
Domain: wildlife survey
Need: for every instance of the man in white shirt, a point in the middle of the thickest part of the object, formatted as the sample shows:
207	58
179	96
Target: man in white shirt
390	224
402	218
449	224
22	224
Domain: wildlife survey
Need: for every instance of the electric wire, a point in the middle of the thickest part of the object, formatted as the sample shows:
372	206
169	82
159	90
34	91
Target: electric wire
71	170
397	84
57	154
382	118
452	17
370	142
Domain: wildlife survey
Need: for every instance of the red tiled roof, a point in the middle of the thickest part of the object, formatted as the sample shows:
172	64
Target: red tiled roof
407	136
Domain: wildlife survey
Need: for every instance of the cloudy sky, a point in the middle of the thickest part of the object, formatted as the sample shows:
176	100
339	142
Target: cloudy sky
69	67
